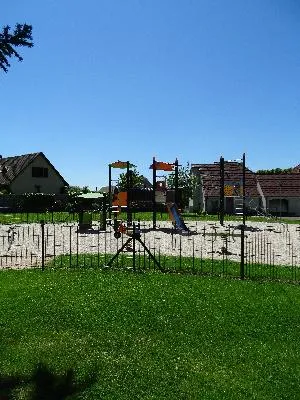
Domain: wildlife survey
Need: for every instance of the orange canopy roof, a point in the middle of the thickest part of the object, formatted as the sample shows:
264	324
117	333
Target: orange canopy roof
162	166
121	164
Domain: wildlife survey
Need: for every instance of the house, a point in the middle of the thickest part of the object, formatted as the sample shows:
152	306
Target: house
30	173
281	192
276	193
207	195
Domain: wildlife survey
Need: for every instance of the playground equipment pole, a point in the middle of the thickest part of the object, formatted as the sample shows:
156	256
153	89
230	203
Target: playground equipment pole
109	192
244	189
176	181
242	265
128	189
153	194
221	190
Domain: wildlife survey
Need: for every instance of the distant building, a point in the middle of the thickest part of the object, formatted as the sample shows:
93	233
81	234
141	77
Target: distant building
275	193
207	196
30	173
281	192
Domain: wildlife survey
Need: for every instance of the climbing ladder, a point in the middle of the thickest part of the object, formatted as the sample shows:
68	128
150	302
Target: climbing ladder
238	205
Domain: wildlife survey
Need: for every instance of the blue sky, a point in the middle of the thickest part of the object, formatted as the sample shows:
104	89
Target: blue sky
133	79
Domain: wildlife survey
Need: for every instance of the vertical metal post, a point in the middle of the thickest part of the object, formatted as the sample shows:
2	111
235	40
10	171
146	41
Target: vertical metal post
133	247
128	190
244	188
109	192
104	210
43	244
153	194
70	246
242	265
176	182
221	208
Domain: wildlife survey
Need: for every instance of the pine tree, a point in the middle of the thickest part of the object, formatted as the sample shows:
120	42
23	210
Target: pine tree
21	36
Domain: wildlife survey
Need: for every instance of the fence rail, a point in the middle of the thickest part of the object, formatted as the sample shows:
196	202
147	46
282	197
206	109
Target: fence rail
256	250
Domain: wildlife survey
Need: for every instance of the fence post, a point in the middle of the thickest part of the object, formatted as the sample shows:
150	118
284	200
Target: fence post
153	194
222	194
104	211
133	247
242	267
242	264
43	244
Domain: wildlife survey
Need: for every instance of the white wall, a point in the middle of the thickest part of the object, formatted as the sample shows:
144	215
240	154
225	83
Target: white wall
25	183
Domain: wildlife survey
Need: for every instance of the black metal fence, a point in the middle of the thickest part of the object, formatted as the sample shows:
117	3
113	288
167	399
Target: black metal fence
256	251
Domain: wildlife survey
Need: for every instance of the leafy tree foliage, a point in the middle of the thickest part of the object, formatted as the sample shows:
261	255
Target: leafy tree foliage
274	171
187	182
75	190
137	180
21	36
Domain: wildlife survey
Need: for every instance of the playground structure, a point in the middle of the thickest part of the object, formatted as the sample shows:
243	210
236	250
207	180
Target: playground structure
123	200
134	235
233	189
176	217
172	206
167	167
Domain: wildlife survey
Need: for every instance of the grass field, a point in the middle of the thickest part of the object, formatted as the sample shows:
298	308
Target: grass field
119	335
16	218
177	264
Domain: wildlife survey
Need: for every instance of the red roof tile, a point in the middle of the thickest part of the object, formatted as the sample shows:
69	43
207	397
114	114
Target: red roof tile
233	172
280	185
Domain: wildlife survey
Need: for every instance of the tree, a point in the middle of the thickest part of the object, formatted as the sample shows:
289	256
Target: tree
75	190
21	36
187	182
274	171
137	180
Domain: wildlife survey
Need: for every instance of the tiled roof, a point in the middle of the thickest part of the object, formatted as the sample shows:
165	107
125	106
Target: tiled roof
280	185
11	167
272	185
233	172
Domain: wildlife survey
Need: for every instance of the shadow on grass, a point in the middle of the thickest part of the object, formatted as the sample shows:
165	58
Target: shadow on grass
44	384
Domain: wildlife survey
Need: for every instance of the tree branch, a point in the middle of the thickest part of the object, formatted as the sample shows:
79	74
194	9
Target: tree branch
21	36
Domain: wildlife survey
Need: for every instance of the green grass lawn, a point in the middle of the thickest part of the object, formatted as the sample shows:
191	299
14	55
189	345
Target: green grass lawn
122	335
60	217
177	264
17	218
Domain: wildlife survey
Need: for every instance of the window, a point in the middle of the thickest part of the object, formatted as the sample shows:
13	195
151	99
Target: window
39	172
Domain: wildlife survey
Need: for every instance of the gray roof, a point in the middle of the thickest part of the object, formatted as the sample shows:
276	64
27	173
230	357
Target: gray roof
11	167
